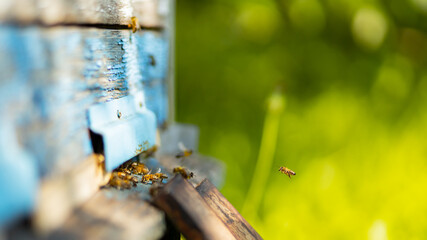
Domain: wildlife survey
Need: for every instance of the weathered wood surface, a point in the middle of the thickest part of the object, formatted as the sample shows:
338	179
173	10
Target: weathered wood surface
49	77
238	226
202	167
151	13
55	74
109	216
58	195
189	212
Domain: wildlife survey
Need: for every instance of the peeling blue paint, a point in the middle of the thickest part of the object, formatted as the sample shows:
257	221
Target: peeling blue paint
51	76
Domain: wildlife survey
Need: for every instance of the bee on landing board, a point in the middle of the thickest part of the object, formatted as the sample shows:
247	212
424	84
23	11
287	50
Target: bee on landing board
287	171
127	177
160	176
154	177
139	168
184	173
149	177
119	183
184	151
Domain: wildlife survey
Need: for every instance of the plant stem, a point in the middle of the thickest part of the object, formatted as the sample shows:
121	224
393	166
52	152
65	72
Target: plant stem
276	104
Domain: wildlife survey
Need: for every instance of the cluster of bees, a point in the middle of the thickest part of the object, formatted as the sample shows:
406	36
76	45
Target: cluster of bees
126	175
130	173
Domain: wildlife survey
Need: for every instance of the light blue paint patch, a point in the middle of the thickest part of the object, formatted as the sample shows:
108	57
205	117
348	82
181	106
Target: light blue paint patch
19	178
156	99
124	129
157	48
153	57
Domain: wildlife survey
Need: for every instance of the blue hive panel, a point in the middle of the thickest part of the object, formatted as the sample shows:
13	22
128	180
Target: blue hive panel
50	78
153	56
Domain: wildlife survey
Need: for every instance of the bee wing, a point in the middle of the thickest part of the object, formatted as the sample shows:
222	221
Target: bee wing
159	170
182	147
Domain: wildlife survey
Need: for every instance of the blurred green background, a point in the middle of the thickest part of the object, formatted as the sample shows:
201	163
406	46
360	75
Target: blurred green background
354	125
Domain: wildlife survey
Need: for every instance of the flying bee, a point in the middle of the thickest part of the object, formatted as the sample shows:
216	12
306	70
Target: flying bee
184	151
134	24
287	171
139	168
183	172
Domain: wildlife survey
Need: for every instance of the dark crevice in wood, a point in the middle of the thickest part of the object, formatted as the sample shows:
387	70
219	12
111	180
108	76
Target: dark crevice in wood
84	25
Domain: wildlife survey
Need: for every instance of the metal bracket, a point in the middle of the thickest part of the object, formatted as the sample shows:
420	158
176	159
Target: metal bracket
121	129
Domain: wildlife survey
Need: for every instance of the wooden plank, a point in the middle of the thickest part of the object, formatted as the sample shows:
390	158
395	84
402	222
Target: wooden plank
202	167
238	226
116	13
189	212
106	216
60	194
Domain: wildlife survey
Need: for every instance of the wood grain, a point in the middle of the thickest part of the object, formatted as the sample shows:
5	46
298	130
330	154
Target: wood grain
109	217
189	212
60	194
105	13
238	226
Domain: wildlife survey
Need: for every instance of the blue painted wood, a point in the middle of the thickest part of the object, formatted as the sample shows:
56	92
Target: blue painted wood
124	129
153	56
50	77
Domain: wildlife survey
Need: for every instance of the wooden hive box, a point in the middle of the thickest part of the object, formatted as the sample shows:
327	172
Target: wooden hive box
84	87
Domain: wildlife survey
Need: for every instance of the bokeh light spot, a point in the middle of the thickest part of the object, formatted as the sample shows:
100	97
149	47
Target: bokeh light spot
258	22
378	231
369	28
307	16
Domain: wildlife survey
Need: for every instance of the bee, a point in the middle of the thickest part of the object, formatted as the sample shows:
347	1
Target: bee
287	171
128	177
183	172
139	168
160	176
184	151
134	24
119	183
152	60
149	177
119	114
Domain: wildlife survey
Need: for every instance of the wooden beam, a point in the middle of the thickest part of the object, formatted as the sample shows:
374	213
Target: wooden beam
116	13
238	226
106	216
59	195
188	211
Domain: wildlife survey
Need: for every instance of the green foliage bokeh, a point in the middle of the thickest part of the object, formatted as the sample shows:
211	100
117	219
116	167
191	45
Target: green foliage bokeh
355	125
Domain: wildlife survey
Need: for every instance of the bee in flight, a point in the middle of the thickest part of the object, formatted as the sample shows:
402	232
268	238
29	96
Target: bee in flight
184	151
287	171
